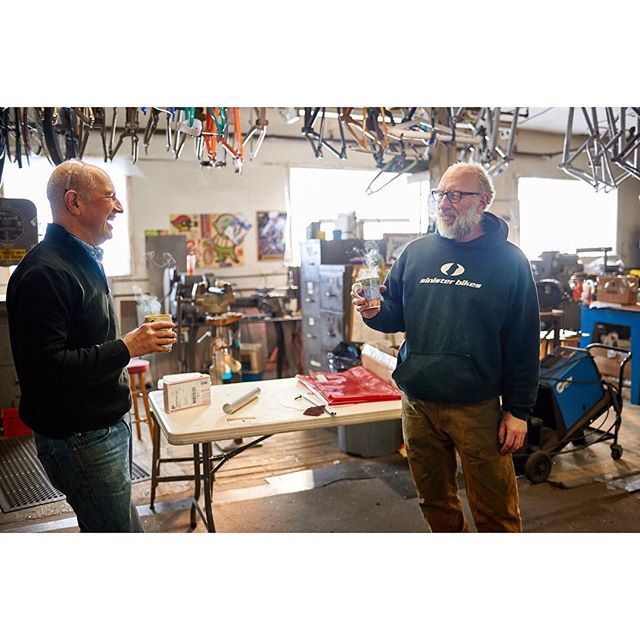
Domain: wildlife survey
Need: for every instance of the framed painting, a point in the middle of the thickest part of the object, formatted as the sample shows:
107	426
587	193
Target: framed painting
271	234
216	239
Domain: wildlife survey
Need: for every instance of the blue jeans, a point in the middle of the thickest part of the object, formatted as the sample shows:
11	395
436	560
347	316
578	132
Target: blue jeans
93	470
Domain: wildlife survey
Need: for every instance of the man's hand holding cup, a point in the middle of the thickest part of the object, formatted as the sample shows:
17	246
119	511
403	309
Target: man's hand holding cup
366	293
155	335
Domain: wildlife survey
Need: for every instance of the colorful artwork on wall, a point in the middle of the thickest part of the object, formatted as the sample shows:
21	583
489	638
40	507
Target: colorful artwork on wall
271	234
216	239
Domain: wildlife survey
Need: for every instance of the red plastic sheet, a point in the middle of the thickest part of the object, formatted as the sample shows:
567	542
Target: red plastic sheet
350	386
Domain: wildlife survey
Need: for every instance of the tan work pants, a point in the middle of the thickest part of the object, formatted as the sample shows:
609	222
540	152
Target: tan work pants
433	432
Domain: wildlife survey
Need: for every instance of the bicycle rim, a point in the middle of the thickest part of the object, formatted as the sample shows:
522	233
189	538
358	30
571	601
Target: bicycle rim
55	132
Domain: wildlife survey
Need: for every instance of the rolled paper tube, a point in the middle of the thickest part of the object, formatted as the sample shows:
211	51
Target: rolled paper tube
231	407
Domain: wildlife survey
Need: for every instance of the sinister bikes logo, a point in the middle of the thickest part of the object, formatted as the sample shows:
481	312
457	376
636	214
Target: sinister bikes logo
452	269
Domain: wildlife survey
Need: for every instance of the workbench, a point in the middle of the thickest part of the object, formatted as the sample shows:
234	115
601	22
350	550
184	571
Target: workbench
626	316
279	408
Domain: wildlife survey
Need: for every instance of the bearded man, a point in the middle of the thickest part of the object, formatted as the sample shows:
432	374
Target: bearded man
468	367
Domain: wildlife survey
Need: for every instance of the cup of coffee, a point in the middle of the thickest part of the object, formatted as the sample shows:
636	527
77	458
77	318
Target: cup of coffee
164	317
368	287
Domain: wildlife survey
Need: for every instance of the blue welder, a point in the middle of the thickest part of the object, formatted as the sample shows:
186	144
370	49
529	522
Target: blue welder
571	396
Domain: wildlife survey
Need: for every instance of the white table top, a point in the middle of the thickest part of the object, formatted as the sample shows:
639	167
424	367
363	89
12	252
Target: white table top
275	410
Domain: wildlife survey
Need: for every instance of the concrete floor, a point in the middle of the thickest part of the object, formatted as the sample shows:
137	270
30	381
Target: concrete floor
302	482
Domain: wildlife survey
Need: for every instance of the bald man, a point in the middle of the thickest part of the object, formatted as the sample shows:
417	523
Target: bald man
468	368
69	356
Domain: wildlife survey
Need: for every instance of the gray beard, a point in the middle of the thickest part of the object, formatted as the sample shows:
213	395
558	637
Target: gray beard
460	227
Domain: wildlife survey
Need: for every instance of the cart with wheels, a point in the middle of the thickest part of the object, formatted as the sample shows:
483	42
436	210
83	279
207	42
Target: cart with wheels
572	397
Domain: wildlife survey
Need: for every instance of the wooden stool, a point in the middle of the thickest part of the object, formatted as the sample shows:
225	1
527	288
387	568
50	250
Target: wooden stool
137	368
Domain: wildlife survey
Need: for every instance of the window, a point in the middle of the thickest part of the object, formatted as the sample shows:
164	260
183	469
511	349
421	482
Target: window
322	194
565	215
30	183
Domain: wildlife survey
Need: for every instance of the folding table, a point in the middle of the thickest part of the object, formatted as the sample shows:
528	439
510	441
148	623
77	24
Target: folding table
279	408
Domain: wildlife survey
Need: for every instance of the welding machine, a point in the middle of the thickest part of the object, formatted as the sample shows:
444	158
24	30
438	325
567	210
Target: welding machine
572	395
570	388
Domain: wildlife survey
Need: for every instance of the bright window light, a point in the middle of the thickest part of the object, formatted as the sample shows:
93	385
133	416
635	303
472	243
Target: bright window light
565	215
321	194
30	183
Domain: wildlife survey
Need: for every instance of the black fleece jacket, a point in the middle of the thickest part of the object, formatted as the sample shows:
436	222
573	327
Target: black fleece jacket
64	337
470	313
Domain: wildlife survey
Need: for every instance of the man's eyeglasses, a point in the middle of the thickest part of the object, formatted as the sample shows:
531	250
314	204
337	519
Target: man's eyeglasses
452	196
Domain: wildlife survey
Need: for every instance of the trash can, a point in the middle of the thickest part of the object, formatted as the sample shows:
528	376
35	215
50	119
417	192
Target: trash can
371	440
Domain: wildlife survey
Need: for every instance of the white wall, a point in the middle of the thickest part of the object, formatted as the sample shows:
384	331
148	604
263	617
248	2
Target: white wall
628	239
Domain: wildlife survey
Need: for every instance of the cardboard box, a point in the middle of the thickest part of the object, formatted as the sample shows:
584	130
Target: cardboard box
377	361
386	346
185	390
608	362
617	289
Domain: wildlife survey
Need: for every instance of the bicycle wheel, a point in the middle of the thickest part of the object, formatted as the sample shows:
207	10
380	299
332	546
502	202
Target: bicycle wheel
36	134
61	132
4	136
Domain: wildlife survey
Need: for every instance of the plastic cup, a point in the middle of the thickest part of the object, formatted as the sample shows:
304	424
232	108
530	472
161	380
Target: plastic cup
369	289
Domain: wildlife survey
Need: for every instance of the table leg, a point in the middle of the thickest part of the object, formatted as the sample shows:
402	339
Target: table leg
196	481
556	324
635	365
134	402
208	485
280	358
155	460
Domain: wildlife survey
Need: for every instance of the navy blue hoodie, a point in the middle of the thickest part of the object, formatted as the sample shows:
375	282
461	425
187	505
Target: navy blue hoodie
470	313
